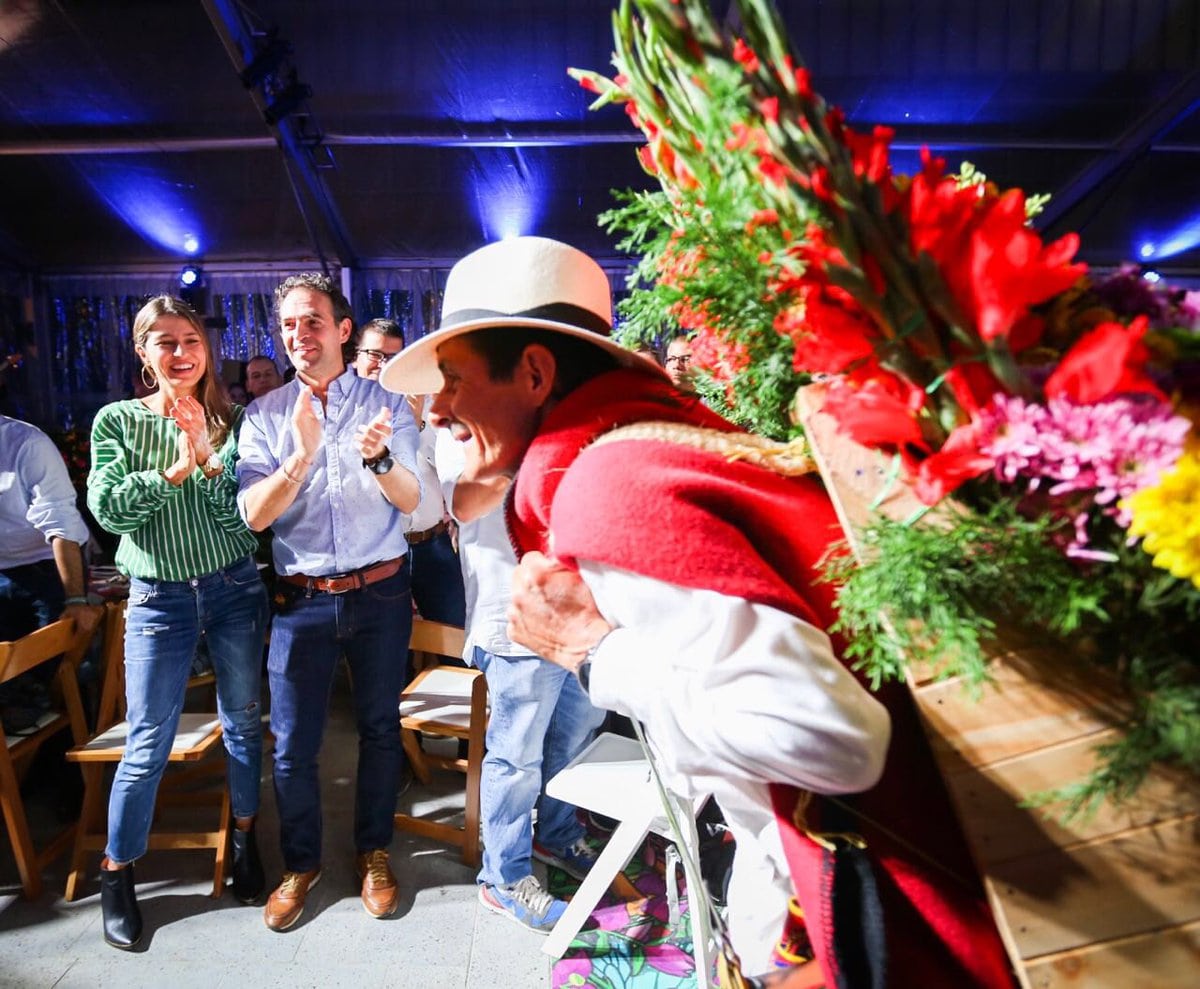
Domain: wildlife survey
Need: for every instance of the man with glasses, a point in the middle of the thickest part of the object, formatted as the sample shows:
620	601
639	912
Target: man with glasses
379	340
679	363
437	584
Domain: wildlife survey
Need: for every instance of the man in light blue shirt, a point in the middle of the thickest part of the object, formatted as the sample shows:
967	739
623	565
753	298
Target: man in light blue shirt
328	461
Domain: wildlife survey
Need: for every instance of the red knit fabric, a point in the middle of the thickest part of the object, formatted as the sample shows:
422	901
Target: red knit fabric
691	518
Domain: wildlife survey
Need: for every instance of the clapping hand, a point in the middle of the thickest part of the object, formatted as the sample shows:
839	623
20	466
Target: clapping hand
372	439
189	417
306	426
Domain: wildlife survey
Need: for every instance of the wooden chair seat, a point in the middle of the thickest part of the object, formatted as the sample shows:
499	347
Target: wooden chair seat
447	701
61	638
198	737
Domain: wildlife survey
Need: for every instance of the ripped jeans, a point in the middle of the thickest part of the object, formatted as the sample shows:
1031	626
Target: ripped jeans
163	626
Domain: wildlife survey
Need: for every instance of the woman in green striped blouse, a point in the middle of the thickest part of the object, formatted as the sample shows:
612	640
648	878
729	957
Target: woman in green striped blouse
163	479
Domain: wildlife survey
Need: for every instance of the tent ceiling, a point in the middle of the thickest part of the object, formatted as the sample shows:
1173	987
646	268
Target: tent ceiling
124	126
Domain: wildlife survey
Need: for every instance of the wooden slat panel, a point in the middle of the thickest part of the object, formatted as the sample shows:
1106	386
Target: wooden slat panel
1134	884
986	800
1164	960
1017	715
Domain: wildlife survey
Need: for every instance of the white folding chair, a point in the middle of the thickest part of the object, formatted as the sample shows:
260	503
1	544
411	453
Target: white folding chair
612	777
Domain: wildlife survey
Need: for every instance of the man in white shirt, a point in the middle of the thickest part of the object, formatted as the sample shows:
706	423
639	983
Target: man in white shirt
41	559
668	612
540	717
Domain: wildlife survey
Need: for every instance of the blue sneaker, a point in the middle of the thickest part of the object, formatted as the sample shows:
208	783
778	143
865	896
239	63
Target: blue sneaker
575	861
525	902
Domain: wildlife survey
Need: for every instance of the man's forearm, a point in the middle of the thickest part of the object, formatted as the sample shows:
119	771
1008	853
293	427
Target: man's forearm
270	497
401	488
68	558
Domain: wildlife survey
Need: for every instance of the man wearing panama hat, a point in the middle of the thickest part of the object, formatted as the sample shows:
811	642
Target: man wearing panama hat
661	562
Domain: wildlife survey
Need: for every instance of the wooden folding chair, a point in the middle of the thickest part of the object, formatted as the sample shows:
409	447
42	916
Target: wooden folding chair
199	735
450	701
61	638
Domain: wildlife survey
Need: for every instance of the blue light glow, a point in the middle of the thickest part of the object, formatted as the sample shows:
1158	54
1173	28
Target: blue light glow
508	189
1183	238
191	244
1146	250
154	203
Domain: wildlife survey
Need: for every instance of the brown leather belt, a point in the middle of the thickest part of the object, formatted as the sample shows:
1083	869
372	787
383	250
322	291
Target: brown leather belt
340	583
416	538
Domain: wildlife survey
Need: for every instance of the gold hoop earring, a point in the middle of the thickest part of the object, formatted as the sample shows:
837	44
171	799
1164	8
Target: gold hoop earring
153	382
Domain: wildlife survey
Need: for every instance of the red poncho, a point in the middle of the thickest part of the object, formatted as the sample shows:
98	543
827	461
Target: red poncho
691	518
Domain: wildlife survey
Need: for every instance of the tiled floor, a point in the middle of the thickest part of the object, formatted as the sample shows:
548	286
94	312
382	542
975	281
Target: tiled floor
440	938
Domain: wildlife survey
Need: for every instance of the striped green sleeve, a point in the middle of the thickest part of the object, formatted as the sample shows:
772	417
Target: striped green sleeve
121	499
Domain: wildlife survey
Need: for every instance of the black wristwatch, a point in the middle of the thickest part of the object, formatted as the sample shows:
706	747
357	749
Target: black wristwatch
380	464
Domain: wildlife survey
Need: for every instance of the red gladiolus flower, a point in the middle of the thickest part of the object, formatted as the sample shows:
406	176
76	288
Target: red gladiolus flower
972	385
1107	360
590	84
744	56
646	157
743	136
772	170
770	108
870	154
880	413
828	328
957	461
820	184
804	83
762	218
994	265
717	356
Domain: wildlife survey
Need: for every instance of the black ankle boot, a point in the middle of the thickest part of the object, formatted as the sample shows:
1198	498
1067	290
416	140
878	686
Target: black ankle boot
248	877
122	918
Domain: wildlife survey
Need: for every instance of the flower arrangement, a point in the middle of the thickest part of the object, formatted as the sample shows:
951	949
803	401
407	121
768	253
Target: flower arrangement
1044	413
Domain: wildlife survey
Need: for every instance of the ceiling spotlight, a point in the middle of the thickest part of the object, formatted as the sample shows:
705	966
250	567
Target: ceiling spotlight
1151	276
1146	250
190	243
189	275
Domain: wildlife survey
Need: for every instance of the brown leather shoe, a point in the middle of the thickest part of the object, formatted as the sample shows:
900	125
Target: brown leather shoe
379	893
286	904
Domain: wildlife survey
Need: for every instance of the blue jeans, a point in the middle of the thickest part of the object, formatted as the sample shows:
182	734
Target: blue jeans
437	581
311	632
541	719
162	628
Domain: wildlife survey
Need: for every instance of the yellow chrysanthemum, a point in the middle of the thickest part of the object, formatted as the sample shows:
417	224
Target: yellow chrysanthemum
1167	516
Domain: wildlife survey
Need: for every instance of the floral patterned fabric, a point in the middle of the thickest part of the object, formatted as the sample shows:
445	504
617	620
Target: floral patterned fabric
628	944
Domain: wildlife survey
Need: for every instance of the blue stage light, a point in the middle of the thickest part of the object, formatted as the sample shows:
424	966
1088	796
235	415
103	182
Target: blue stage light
191	244
189	276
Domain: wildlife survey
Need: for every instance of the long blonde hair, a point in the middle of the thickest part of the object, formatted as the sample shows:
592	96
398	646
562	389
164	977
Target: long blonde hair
218	411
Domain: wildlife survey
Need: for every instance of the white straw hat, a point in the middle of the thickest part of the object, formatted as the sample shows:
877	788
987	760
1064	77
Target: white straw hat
522	282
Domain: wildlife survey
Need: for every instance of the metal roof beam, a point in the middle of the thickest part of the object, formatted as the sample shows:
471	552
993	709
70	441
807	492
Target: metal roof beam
1138	138
298	146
